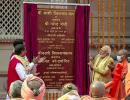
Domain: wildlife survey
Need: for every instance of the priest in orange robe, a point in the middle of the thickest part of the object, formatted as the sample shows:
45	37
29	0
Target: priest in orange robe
117	86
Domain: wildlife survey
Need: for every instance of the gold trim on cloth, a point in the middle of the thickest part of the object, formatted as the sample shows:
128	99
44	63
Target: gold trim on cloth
24	61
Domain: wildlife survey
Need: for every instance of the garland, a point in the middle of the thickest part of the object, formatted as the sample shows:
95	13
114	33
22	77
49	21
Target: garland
115	16
98	24
124	22
118	24
103	22
109	22
92	43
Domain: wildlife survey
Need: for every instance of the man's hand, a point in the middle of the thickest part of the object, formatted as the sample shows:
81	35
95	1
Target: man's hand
27	68
41	59
36	74
35	60
91	58
111	66
90	64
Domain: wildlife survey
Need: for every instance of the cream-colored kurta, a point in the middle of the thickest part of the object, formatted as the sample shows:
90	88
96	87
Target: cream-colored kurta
101	71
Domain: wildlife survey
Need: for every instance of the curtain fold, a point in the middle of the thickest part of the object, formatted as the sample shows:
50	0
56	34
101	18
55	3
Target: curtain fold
82	49
30	29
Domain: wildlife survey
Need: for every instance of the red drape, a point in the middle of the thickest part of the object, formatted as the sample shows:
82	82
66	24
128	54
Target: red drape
30	29
82	49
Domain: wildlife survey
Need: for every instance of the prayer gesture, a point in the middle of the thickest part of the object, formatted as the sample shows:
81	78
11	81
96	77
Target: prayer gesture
90	64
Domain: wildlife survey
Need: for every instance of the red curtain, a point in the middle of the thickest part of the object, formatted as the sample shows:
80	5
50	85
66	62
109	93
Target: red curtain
82	49
30	29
